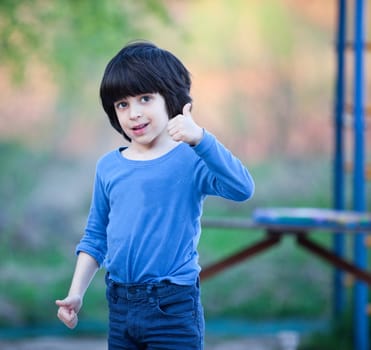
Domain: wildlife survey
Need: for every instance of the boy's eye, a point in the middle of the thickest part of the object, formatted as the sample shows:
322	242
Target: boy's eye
121	105
145	98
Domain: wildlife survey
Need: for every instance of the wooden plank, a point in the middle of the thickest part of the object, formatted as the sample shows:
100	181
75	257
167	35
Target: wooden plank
244	254
333	259
277	228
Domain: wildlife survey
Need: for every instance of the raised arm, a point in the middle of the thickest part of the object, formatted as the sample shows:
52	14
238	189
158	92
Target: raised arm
220	172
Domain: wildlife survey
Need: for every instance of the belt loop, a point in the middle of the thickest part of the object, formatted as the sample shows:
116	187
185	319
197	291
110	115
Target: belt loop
112	288
152	295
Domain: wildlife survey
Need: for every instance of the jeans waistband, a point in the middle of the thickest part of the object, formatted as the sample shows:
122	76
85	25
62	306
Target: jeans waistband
143	290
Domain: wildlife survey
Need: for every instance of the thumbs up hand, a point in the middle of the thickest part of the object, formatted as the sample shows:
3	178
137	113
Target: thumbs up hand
183	128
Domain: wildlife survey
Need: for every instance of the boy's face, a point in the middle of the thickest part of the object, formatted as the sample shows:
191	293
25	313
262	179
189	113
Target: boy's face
143	118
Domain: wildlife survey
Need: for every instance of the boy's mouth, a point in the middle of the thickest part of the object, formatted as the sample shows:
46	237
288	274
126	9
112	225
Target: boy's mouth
139	127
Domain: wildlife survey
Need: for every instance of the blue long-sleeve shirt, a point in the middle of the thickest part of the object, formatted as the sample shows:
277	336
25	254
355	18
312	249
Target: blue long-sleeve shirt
144	220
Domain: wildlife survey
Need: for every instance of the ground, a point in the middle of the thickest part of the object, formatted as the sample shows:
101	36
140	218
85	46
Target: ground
46	343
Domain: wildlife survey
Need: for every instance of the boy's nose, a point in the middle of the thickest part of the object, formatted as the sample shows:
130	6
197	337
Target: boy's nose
135	113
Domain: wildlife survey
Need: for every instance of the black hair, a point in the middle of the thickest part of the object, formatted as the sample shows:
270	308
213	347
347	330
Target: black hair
142	67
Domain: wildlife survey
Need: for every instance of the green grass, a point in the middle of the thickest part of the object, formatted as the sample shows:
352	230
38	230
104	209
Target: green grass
282	282
339	336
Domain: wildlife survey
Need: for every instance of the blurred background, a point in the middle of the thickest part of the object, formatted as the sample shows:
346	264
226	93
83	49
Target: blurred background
263	79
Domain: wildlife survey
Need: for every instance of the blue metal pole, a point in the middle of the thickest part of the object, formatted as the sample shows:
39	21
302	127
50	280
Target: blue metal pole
339	183
359	193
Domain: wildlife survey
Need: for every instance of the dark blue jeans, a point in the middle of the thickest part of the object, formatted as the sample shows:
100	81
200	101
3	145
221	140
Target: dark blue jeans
159	316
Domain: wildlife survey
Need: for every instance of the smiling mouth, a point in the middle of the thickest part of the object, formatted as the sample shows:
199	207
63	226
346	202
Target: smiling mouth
139	127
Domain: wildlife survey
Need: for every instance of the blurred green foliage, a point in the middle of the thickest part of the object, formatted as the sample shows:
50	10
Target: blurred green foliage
20	169
70	35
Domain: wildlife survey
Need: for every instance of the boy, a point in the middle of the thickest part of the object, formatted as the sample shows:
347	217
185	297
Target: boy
144	220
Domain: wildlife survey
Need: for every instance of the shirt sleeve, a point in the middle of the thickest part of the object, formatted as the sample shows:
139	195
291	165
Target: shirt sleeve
94	241
220	173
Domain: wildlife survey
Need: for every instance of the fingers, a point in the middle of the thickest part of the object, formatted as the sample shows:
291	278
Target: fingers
67	311
178	127
183	128
68	317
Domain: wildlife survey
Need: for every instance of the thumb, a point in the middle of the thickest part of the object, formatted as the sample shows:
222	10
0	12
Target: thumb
63	302
68	301
187	109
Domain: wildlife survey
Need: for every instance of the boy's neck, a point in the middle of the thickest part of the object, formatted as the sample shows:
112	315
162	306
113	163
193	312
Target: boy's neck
147	152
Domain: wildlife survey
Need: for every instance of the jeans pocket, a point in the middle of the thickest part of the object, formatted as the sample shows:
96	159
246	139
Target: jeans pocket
181	304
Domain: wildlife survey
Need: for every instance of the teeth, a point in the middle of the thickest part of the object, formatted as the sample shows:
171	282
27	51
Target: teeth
139	127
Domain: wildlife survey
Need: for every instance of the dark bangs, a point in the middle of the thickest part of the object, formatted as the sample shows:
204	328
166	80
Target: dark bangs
123	80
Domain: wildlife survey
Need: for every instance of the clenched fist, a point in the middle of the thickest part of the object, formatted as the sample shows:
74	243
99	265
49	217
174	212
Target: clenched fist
68	309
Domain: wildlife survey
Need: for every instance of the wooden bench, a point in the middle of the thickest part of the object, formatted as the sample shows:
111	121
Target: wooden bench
297	222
